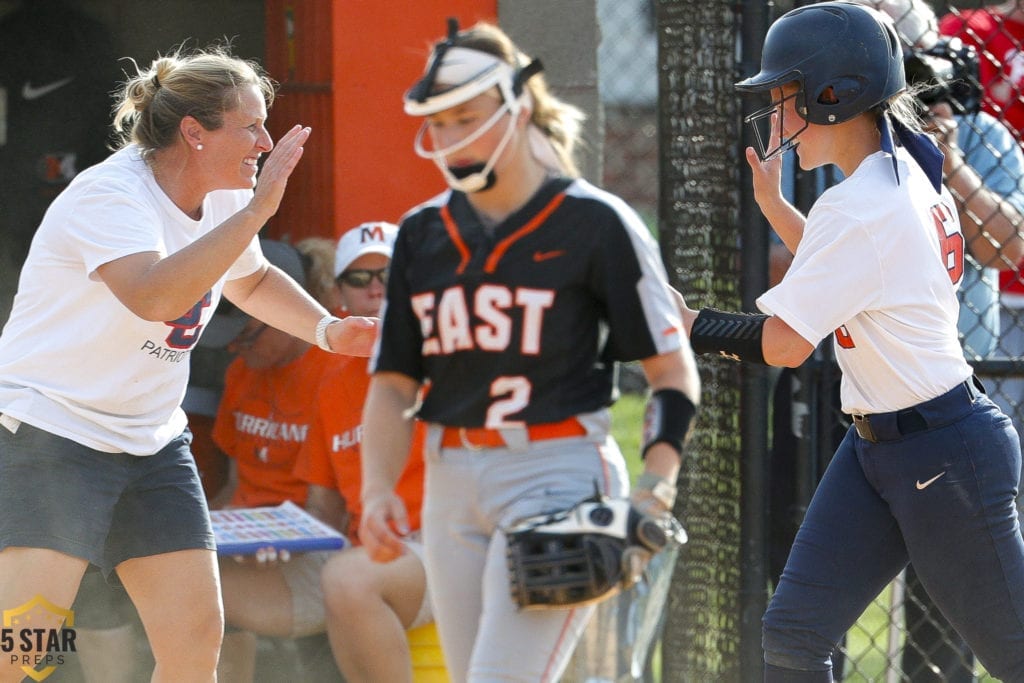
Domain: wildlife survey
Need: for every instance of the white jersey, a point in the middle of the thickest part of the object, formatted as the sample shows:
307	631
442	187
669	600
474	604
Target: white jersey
74	360
878	265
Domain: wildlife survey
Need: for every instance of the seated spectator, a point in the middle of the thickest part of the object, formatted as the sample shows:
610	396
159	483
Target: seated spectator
268	402
290	600
369	605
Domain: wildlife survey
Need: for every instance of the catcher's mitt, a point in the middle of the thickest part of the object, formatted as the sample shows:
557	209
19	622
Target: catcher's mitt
574	557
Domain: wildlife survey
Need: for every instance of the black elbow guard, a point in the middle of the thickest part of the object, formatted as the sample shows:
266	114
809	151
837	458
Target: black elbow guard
736	336
668	419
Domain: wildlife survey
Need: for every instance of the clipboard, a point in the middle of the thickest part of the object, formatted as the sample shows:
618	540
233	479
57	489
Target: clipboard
243	531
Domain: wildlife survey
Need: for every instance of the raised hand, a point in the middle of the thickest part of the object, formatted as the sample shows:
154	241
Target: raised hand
277	169
767	175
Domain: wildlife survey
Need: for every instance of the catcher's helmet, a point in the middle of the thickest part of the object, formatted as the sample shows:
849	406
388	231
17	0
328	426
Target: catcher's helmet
845	58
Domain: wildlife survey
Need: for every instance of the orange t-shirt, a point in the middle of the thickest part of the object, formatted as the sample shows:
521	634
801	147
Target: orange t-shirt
330	456
263	419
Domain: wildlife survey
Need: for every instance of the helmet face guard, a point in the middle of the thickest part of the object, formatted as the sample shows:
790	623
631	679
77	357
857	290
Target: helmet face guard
762	124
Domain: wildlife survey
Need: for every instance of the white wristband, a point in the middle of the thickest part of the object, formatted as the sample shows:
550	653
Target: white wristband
321	332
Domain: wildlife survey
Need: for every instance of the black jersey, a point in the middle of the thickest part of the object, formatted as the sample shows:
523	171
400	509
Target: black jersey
523	325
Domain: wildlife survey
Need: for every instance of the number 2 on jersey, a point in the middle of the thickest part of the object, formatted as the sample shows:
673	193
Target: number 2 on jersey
951	246
516	390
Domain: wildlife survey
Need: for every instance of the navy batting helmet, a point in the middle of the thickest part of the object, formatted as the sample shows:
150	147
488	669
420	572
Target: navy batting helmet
845	58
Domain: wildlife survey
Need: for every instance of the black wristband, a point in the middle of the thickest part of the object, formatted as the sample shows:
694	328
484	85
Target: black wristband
736	336
668	419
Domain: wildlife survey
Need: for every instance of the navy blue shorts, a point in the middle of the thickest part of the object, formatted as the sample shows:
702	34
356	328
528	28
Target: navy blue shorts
103	507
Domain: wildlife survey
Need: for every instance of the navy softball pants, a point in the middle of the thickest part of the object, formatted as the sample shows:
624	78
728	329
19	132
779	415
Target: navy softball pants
935	485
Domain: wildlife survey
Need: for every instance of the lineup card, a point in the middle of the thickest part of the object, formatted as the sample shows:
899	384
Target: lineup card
243	531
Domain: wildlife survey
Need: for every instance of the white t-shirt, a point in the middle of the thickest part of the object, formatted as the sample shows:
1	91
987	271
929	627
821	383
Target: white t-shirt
872	268
74	360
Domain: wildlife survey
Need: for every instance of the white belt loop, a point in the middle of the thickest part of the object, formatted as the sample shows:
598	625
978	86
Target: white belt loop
9	423
432	442
598	424
516	438
466	443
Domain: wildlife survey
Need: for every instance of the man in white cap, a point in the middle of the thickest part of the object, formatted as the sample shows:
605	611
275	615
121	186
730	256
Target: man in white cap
369	605
368	238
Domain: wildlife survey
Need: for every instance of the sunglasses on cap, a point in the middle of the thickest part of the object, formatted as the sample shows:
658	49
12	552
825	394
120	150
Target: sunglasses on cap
361	278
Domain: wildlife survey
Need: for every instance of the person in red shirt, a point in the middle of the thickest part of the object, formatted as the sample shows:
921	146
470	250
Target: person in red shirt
265	408
997	31
369	605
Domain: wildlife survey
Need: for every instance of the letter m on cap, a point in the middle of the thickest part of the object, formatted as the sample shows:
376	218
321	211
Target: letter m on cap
371	233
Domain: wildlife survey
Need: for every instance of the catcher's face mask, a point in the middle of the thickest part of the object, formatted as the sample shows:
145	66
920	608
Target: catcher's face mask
456	75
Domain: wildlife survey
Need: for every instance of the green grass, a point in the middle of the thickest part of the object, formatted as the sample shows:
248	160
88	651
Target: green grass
867	640
627	425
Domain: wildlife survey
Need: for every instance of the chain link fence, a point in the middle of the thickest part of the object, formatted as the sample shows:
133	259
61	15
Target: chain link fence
666	73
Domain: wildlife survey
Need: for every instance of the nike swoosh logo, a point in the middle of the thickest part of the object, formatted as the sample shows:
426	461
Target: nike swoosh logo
34	93
921	486
539	256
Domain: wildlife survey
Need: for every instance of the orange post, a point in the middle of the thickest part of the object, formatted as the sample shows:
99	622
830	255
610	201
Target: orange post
343	66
